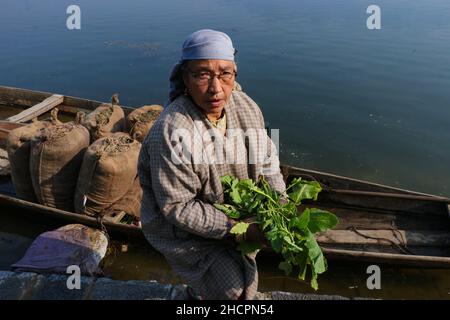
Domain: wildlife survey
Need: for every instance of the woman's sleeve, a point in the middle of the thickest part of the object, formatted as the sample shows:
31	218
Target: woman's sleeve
175	186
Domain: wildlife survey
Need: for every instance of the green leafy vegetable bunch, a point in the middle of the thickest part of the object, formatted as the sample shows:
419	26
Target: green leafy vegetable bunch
289	232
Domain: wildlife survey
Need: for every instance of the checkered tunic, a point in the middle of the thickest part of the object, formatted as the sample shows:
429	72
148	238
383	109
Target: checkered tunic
178	216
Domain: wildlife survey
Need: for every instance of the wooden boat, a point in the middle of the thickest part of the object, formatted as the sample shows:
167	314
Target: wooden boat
378	224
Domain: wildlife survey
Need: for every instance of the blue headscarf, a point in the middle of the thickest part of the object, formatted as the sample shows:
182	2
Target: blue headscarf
202	44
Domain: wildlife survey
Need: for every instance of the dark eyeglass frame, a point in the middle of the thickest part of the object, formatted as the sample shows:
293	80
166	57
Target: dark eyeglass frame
212	75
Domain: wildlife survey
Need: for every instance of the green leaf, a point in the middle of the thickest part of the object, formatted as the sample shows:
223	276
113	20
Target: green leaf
267	223
315	255
227	180
321	220
302	189
235	197
301	222
239	228
314	283
254	203
290	207
291	244
221	207
286	266
248	247
276	243
302	261
229	210
247	183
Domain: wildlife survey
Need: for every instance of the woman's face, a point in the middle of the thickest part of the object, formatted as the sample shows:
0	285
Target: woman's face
210	95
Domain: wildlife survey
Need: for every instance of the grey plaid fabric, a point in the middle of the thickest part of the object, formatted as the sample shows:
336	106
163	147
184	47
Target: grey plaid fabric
178	216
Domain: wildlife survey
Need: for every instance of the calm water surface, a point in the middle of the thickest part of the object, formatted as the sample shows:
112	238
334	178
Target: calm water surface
370	104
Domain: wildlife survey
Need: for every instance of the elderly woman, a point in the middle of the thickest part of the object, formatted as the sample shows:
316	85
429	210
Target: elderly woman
178	216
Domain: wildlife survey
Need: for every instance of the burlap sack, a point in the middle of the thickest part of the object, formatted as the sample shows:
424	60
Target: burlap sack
5	168
18	148
56	158
104	120
108	172
130	203
140	121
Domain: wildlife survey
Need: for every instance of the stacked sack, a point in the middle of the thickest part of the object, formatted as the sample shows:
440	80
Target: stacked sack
104	121
107	181
130	203
55	160
140	121
18	148
88	166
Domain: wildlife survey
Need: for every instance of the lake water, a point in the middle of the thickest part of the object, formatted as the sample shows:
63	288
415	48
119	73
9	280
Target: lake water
369	104
134	261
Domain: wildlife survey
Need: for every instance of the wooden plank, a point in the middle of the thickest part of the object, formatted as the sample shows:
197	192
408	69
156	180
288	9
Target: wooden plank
390	195
369	219
363	218
394	205
386	237
38	109
388	258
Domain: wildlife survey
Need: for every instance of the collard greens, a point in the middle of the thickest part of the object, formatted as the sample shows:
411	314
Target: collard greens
289	232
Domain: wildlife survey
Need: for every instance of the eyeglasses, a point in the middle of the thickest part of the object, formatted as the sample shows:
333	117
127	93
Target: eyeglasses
205	77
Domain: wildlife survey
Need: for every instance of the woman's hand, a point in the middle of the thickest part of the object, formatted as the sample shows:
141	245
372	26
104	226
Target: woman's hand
254	233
